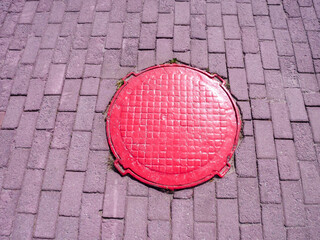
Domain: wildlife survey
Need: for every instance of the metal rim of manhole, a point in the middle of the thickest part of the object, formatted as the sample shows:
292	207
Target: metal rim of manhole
173	126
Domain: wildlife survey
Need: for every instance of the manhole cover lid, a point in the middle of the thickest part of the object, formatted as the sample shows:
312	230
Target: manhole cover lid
173	126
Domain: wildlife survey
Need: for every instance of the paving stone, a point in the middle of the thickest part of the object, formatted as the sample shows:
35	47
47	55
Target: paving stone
213	15
35	95
146	59
272	222
277	16
16	169
103	5
129	55
81	36
314	43
158	230
215	39
10	64
39	150
63	129
106	91
159	205
229	7
257	91
76	64
247	128
269	55
204	202
297	233
69	97
314	114
62	50
69	24
198	6
90	219
9	24
303	57
28	12
8	202
250	42
96	173
296	30
251	231
260	109
308	82
234	53
99	140
5	89
291	8
283	42
182	13
264	28
136	188
6	146
280	120
148	36
310	182
226	187
24	136
114	36
92	71
40	22
111	65
87	11
245	110
289	72
198	27
183	194
238	84
115	197
74	6
57	12
245	15
132	26
47	114
90	86
112	229
30	193
118	11
20	37
269	181
264	139
55	79
150	11
297	110
183	57
55	169
231	27
79	150
31	50
95	50
311	98
164	50
313	221
99	26
23	226
303	141
309	18
181	40
199	53
21	80
227	217
71	194
42	65
47	215
136	218
85	113
182	219
249	200
294	212
13	112
50	36
217	64
67	228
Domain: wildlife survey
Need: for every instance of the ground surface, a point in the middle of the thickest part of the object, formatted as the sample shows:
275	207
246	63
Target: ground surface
59	63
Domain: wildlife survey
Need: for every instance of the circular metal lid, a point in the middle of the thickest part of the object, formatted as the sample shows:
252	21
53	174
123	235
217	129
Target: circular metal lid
173	126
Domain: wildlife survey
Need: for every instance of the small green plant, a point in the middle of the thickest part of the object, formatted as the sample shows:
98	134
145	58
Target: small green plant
119	83
174	60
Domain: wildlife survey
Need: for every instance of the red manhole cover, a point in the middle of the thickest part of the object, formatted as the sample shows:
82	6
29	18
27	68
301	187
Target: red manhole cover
173	126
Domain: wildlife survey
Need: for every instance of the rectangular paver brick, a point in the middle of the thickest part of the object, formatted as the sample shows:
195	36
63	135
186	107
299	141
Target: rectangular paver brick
146	59
204	202
10	64
81	36
287	160
114	36
95	50
165	26
260	109
6	146
229	7
69	24
182	13
274	85
47	215
49	38
314	115
272	220
245	110
39	150
164	50
245	15
47	114
67	228
106	91
199	53
100	24
310	182
79	150
8	202
217	64
57	12
103	5
283	41
314	43
227	217
294	212
112	229
136	188
55	169
250	42
30	193
213	15
181	40
182	219
90	86
257	91
90	219
76	64
70	93
264	139
231	27
251	231
20	37
99	140
55	80
13	112
269	55
269	184
289	72
132	25
215	39
226	187
148	36
303	57
43	62
297	110
238	84
26	129
291	8
62	50
309	18
159	205
280	120
63	130
308	82
296	30
150	11
85	113
5	88
71	194
198	27
9	25
159	230
234	53
204	231
277	16
166	6
118	11
136	218
21	80
96	173
264	28
31	50
39	24
28	12
87	11
246	158
129	56
23	226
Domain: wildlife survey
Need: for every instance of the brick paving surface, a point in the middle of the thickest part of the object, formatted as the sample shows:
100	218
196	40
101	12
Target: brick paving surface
59	64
